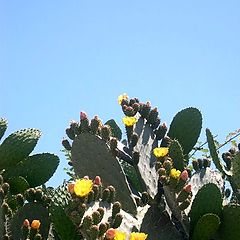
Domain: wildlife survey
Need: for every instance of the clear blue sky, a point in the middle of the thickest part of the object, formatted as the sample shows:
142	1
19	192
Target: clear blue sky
60	57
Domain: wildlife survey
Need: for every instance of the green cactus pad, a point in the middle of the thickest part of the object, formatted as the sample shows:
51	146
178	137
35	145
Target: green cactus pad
206	227
92	157
236	169
18	146
115	129
213	151
130	172
64	227
229	228
3	127
30	211
207	200
203	177
146	166
18	185
176	153
186	127
36	169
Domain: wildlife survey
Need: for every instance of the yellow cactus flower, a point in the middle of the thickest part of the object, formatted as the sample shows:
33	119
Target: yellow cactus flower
174	173
82	187
160	151
119	235
138	236
121	97
129	121
35	224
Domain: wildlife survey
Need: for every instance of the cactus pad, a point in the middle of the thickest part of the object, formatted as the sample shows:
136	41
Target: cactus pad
213	151
36	169
145	145
205	176
236	170
92	157
207	200
30	211
115	129
18	146
186	127
229	228
206	227
18	185
176	153
63	225
3	127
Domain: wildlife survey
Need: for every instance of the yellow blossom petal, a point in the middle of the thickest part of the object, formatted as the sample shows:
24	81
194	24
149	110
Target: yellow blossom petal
120	235
121	97
160	152
82	187
129	121
138	236
174	173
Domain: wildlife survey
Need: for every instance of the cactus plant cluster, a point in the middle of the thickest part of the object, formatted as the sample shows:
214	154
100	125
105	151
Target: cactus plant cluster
146	186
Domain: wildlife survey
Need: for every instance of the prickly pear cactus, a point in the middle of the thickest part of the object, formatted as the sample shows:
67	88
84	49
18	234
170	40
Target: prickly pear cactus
186	127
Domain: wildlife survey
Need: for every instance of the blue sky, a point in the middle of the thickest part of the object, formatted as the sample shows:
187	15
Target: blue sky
60	57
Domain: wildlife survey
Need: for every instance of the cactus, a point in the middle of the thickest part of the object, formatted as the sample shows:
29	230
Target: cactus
3	127
230	222
18	146
207	200
91	156
206	227
30	211
236	170
186	127
176	153
119	189
213	151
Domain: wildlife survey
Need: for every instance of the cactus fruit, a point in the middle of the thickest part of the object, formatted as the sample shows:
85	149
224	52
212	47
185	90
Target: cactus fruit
186	127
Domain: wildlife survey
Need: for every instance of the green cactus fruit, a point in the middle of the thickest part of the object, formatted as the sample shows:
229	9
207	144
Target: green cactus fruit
36	169
18	185
115	129
146	170
207	200
176	153
17	146
91	156
64	227
3	126
213	151
206	227
30	211
186	127
236	170
229	228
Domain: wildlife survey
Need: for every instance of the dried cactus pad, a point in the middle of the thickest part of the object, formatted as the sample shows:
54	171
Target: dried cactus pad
92	157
